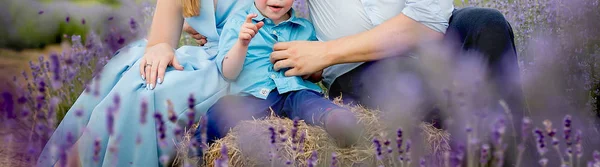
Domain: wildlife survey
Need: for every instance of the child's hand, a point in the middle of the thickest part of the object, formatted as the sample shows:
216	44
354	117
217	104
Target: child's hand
249	29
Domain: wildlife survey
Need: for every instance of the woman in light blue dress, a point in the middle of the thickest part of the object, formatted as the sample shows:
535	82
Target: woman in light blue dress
123	119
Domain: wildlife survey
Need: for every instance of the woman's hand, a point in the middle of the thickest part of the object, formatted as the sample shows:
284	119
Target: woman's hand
155	62
199	38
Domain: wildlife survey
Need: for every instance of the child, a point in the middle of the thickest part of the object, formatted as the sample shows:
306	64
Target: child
246	41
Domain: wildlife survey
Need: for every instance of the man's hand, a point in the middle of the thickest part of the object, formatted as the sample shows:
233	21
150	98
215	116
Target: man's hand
302	57
199	38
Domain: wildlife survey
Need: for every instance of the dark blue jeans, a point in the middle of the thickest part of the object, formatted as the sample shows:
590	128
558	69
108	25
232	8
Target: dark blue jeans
306	105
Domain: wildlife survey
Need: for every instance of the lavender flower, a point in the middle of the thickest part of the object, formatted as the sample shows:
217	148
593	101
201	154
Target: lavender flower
273	135
191	113
224	160
377	144
110	120
8	105
333	160
294	133
79	113
161	126
97	149
40	12
498	132
83	21
541	145
399	141
484	155
67	19
578	147
422	162
387	145
312	161
110	18
171	111
203	130
301	142
567	130
144	111
132	24
282	135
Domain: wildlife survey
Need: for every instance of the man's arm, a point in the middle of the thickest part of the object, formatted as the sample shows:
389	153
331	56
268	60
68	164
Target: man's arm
391	38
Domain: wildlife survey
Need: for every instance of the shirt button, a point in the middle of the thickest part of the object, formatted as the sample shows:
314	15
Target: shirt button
273	76
274	32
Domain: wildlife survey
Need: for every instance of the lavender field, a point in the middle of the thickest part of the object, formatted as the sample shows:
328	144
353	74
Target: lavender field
52	50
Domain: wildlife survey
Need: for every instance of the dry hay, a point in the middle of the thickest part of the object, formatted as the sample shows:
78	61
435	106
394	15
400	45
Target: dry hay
248	144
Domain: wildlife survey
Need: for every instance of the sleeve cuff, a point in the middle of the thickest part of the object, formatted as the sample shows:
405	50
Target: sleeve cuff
429	13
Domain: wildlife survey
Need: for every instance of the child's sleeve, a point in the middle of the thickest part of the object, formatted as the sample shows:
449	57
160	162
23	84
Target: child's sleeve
229	36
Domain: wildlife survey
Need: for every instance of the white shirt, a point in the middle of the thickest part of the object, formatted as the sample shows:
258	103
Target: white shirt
339	18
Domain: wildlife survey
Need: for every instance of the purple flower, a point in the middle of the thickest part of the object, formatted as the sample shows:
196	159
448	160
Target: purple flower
70	138
41	12
498	131
377	144
294	133
203	129
281	134
224	160
333	160
171	111
110	120
578	146
399	140
273	135
485	149
161	125
541	145
97	149
596	156
567	130
191	113
301	142
79	113
121	41
408	143
144	111
110	18
312	161
422	162
132	24
83	21
387	143
8	105
68	19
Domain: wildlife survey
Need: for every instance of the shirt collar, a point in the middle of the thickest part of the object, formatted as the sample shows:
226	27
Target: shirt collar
260	17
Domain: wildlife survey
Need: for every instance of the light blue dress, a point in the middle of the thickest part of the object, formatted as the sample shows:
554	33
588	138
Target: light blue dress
118	93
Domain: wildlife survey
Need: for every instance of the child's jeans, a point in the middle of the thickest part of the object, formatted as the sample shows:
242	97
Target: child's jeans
306	105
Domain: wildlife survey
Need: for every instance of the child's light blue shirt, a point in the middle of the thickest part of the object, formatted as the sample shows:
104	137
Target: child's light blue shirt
257	77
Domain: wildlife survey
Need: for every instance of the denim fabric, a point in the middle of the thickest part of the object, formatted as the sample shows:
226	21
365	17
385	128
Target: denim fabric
306	105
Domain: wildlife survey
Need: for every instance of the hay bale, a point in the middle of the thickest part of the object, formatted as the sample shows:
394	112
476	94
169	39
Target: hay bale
249	144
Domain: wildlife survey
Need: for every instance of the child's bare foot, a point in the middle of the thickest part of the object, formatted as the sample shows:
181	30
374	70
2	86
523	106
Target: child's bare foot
343	126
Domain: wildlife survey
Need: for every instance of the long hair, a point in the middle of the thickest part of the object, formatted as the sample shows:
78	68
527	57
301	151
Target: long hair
190	8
